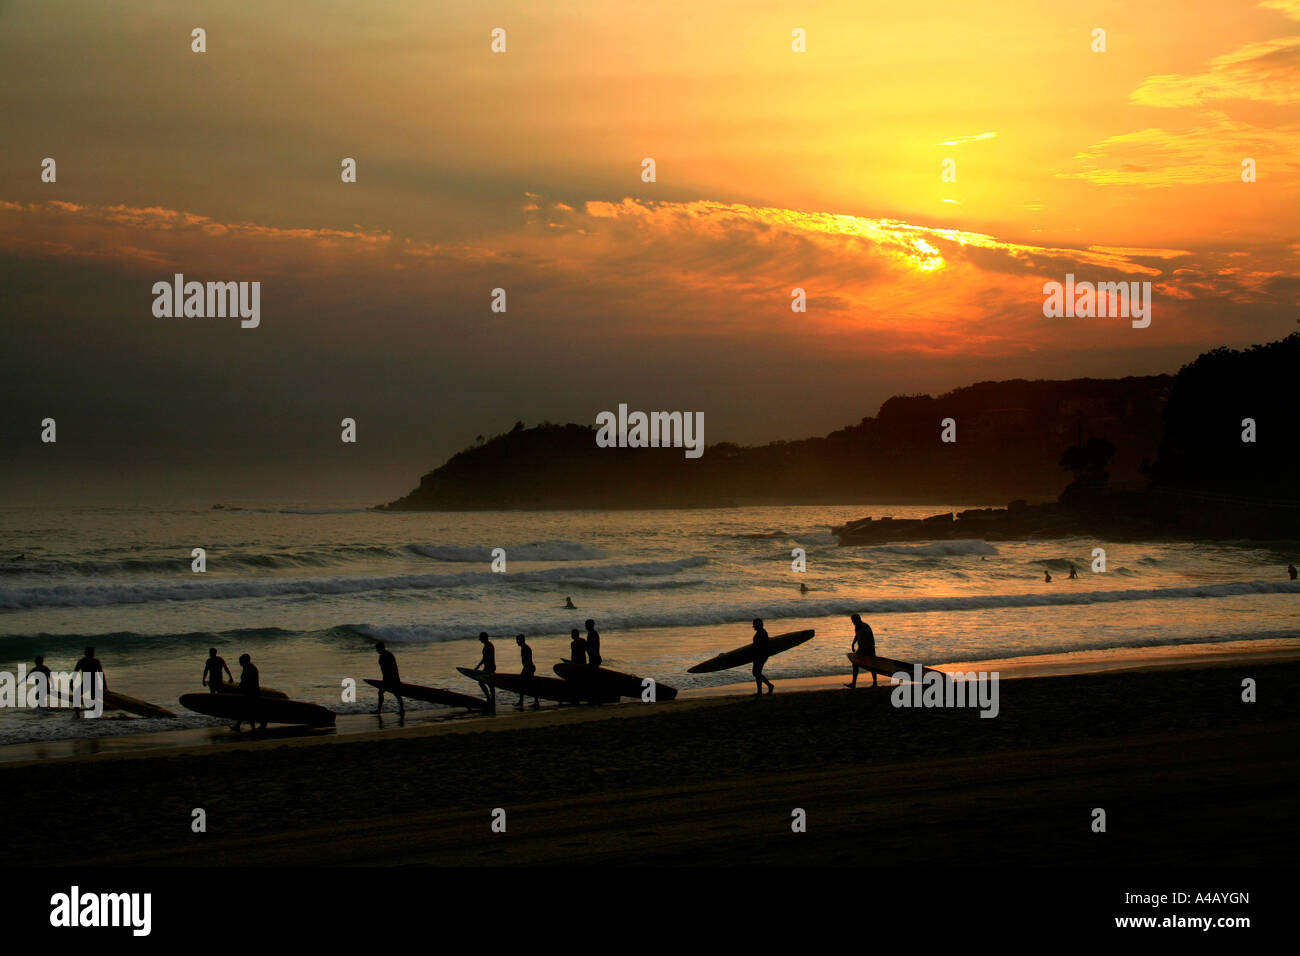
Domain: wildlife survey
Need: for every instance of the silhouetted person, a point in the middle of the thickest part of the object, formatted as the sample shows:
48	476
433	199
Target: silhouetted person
212	669
864	642
1047	577
250	686
569	605
388	674
803	589
488	664
89	665
1073	573
526	671
760	657
1290	569
42	692
593	643
577	648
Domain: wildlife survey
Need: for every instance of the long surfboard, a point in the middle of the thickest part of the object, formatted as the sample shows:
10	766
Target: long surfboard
270	709
229	688
745	653
546	688
133	705
431	695
886	666
610	681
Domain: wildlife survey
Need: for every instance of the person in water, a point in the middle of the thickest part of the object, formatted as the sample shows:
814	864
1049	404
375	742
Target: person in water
212	669
1047	577
388	674
864	642
1073	573
1290	569
577	648
250	685
526	671
803	589
488	664
593	643
43	685
760	657
569	605
89	665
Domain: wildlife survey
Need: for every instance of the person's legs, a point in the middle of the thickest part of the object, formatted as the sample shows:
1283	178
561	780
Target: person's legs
379	709
854	682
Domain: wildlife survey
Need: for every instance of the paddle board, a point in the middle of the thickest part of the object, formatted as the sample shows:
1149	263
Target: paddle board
546	688
432	695
886	666
745	653
270	709
611	681
133	705
229	688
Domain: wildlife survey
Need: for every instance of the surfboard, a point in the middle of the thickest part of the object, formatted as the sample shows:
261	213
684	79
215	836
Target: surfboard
432	695
611	681
133	705
229	688
745	653
886	666
270	709
546	688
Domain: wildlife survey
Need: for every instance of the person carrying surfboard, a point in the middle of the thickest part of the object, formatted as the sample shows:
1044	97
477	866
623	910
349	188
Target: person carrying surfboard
488	664
388	672
577	648
39	670
527	670
760	657
864	642
593	643
212	669
89	665
250	685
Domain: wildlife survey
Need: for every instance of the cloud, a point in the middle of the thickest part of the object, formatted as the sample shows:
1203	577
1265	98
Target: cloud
961	140
1210	153
637	270
1263	72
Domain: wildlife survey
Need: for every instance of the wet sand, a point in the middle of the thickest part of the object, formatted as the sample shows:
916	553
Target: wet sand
1187	773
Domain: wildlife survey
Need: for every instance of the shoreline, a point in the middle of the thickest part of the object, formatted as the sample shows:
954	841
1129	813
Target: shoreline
355	728
712	780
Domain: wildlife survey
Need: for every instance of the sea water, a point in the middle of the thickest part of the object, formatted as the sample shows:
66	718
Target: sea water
307	591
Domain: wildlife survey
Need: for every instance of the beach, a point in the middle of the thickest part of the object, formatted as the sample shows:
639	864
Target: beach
1187	773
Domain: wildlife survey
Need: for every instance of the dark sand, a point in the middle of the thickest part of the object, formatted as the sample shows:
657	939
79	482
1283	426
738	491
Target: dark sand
1187	773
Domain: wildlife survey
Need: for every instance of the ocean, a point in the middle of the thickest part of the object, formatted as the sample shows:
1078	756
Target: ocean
307	591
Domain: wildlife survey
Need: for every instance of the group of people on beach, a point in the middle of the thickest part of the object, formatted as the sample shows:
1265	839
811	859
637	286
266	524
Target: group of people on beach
87	667
250	682
584	651
864	644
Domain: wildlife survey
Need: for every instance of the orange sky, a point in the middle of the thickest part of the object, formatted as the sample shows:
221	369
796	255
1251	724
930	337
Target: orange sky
775	169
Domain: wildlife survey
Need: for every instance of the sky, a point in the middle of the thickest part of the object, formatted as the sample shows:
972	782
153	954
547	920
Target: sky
523	170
